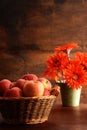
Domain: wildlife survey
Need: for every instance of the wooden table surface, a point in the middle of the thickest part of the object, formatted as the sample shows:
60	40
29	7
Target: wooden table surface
60	118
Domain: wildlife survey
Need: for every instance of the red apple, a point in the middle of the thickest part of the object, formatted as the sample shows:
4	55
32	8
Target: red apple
33	88
29	77
20	83
47	84
13	92
4	86
46	92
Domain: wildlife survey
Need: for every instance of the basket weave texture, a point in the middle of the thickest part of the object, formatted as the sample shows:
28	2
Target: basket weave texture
26	110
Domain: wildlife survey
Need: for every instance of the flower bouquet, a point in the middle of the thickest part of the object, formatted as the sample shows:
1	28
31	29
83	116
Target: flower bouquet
69	72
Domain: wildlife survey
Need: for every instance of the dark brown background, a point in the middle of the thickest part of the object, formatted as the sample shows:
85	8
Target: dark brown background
31	29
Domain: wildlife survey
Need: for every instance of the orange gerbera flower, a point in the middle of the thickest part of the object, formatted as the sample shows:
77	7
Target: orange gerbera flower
62	68
82	59
75	75
57	61
55	65
53	74
66	47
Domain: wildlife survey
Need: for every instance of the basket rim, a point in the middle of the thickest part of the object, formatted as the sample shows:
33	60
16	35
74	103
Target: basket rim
27	98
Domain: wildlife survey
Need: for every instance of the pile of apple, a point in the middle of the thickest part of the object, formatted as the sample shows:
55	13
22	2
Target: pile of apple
29	85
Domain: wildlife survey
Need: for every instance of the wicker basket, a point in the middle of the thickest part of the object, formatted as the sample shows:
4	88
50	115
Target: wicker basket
26	110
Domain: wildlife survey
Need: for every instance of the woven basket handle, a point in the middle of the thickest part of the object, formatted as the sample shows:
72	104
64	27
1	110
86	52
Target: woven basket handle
55	90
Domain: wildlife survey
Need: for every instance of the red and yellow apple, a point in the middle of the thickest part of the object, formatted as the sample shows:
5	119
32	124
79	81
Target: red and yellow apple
46	92
29	77
33	88
20	83
47	84
4	86
13	92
